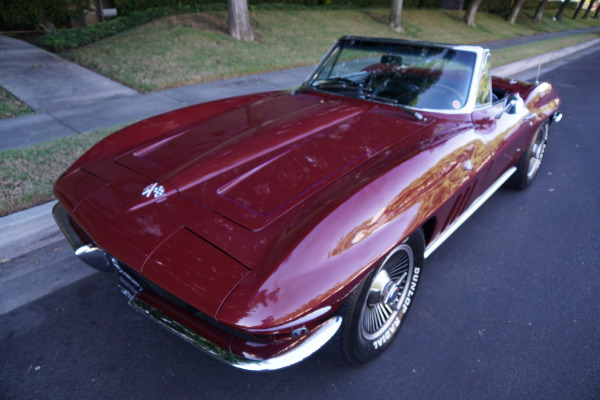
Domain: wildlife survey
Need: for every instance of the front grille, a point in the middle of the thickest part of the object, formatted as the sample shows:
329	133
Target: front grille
132	282
129	285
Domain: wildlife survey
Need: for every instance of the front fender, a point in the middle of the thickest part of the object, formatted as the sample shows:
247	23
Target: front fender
332	256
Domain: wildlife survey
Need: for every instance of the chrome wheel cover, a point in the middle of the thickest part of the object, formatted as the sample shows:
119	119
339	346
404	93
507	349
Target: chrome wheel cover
387	292
537	152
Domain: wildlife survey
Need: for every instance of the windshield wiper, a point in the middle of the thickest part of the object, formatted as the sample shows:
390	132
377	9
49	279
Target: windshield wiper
403	107
366	92
335	85
340	82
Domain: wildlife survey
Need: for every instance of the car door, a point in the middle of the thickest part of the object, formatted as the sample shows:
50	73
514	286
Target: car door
500	123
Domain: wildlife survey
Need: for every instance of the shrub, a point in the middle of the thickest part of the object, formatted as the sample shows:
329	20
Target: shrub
70	38
127	7
28	14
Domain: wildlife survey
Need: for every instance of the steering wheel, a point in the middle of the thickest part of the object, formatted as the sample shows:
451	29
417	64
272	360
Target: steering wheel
439	96
448	89
344	80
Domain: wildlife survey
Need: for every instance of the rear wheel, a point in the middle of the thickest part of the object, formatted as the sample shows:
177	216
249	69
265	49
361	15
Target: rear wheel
375	311
530	161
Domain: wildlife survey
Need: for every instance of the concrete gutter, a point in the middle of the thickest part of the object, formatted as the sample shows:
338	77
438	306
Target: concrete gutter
27	231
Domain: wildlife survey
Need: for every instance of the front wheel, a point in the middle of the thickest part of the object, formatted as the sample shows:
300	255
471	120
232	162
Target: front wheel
529	164
375	311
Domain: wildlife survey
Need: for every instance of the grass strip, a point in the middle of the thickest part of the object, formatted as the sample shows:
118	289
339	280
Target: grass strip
28	174
10	106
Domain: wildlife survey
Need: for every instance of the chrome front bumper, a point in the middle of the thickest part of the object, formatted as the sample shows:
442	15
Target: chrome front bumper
200	333
174	319
83	246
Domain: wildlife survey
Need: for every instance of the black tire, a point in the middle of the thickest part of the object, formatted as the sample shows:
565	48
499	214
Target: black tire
529	163
376	309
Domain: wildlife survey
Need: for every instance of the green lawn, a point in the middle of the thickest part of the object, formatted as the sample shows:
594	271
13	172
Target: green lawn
28	174
10	106
191	48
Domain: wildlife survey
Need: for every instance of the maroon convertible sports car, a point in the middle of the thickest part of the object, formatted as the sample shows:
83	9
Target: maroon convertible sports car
261	227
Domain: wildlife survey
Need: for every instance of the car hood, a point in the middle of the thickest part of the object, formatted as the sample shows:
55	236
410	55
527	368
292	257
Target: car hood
256	162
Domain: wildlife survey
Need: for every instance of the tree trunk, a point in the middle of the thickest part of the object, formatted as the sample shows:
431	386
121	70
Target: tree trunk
589	10
579	7
396	16
597	12
562	10
540	11
239	20
514	12
469	17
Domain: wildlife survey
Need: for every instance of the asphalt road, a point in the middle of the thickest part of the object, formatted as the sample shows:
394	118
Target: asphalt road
508	307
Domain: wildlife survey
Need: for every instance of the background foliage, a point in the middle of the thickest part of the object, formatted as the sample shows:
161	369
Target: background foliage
71	38
28	14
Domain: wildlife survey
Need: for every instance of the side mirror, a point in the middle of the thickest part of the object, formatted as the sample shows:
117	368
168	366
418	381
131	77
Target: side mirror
514	104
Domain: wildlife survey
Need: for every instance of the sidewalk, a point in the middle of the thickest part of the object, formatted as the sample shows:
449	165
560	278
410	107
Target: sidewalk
29	230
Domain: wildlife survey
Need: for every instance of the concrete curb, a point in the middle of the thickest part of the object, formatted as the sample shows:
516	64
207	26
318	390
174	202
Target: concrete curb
28	230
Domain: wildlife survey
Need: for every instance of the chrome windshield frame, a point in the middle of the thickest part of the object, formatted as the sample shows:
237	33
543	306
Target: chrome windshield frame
479	52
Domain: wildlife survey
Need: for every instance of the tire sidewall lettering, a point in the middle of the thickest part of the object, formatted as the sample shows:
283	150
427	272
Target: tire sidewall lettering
411	289
380	342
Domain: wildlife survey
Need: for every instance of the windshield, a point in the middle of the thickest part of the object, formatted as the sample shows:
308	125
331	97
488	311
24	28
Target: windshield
409	74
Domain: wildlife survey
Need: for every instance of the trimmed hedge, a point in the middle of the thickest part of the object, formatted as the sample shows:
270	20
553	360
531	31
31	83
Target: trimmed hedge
127	7
70	38
493	6
28	14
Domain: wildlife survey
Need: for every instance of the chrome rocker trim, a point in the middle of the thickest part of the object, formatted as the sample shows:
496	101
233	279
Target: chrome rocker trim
310	344
470	211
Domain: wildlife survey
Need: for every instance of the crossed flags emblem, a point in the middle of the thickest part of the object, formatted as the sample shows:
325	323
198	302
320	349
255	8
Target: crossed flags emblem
154	189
